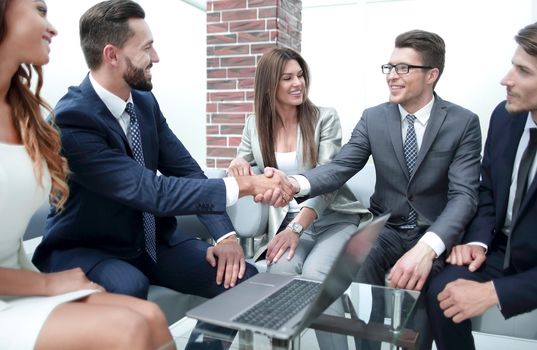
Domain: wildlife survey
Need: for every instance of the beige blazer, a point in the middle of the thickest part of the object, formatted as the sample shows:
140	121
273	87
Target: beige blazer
328	140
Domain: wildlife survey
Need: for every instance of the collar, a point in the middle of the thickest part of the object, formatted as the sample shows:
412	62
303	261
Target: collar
115	104
422	115
529	123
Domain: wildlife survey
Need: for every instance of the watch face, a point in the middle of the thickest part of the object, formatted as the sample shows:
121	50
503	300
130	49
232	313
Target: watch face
296	227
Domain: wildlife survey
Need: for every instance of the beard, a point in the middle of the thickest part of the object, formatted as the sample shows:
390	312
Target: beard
135	77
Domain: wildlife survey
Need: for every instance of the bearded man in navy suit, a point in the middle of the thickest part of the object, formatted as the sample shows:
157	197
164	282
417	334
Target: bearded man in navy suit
497	263
118	224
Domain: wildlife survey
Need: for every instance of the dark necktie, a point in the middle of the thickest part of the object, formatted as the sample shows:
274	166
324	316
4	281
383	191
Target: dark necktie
521	187
410	150
148	218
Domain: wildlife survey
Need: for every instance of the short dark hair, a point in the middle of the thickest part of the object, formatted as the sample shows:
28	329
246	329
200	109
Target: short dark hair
106	23
430	45
527	39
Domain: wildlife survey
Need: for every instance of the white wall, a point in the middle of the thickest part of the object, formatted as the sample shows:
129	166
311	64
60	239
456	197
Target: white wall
346	41
179	78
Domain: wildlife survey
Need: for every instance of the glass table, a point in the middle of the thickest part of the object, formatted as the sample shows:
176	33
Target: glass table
372	313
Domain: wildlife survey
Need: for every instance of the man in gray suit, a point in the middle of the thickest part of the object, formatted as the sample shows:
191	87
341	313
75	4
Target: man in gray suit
426	153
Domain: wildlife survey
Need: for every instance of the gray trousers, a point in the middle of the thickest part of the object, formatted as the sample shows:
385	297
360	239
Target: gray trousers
316	252
391	245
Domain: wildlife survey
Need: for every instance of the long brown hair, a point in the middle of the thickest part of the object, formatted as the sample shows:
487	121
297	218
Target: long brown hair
40	139
267	77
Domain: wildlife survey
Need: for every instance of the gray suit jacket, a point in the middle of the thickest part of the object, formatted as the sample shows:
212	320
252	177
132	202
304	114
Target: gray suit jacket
328	140
444	187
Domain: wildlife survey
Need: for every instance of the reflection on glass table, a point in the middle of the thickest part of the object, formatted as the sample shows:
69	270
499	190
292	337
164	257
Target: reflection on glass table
371	313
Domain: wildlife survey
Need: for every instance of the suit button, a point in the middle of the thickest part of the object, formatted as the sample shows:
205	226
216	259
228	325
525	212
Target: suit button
411	198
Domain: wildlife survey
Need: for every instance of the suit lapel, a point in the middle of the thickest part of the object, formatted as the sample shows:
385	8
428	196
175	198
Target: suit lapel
393	123
438	115
101	111
517	128
507	159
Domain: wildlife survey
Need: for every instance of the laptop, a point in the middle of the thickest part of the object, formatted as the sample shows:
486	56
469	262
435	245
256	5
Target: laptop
280	306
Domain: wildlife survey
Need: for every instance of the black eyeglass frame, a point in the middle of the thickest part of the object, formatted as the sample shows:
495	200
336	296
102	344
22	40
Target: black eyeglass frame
398	66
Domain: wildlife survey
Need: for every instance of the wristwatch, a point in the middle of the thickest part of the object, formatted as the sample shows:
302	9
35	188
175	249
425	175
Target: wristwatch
296	227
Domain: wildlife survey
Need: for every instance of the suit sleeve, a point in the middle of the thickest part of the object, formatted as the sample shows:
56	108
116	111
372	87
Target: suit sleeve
176	162
463	184
103	167
349	160
481	229
328	147
517	293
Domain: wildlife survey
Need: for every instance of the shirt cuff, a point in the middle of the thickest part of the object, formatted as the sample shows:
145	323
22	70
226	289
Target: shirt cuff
232	191
303	184
434	241
226	236
479	244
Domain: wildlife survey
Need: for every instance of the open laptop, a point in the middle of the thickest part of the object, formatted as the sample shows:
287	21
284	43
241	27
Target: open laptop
280	306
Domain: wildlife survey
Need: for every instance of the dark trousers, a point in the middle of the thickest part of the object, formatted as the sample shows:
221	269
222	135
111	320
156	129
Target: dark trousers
447	334
391	245
182	267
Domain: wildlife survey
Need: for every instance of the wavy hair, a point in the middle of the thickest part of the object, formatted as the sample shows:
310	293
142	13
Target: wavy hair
40	138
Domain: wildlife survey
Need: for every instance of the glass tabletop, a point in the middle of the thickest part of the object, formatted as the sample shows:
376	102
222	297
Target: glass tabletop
372	313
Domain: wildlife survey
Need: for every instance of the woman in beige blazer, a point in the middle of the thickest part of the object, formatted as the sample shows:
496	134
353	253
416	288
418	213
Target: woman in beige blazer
288	132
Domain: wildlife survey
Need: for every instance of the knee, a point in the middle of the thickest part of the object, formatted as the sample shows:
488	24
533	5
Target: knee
134	330
152	314
250	271
138	287
284	266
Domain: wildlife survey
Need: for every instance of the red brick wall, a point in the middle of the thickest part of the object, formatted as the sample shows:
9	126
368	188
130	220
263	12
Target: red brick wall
238	32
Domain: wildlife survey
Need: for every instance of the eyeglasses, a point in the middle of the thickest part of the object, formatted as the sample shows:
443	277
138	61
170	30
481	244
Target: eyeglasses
401	68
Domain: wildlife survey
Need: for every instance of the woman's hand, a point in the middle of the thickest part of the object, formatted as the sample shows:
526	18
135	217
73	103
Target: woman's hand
68	281
285	239
239	167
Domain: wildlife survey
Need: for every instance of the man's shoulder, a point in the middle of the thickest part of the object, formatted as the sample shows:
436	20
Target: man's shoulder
453	109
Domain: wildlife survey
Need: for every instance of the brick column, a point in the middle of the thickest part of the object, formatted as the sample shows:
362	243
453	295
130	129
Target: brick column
238	32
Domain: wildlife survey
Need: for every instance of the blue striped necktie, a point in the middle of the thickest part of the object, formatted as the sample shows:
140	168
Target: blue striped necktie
137	150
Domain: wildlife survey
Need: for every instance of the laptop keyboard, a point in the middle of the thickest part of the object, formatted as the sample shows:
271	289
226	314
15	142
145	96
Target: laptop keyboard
280	306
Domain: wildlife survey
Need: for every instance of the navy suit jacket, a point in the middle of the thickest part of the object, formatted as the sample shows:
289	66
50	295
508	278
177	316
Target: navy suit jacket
110	190
517	292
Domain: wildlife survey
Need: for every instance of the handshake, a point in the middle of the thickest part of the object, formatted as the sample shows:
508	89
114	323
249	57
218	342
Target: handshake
272	188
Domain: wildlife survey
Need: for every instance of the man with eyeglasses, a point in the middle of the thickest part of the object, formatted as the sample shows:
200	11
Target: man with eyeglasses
496	264
426	153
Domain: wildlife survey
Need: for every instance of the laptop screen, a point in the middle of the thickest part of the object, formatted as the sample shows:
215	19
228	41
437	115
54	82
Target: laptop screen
345	268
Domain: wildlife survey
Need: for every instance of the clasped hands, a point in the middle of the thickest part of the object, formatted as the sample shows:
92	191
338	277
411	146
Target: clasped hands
273	187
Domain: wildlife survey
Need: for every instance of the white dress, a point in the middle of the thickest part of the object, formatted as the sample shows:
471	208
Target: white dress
21	318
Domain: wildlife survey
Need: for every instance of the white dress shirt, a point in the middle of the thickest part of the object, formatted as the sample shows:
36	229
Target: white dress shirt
116	106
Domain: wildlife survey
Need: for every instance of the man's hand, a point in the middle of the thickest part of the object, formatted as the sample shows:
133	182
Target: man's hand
68	281
463	299
229	256
413	268
239	167
277	197
284	240
467	254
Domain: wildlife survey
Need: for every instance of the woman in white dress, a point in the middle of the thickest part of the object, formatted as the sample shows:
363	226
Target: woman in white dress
61	310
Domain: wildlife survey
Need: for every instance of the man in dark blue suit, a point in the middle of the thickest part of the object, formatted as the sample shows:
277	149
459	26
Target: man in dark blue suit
118	224
497	263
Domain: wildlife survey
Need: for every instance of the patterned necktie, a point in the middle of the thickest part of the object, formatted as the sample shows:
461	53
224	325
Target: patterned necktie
148	218
410	150
521	186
